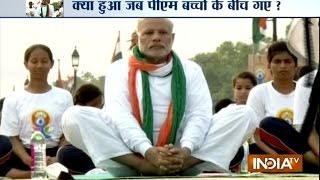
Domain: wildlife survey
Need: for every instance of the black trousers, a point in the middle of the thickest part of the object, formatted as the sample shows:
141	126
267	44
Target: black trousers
281	136
77	161
284	139
9	160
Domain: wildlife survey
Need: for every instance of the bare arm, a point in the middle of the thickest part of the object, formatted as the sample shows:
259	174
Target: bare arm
314	142
63	141
20	151
261	144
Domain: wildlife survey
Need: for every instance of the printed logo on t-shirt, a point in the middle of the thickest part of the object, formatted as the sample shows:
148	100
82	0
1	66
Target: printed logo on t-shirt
41	120
286	114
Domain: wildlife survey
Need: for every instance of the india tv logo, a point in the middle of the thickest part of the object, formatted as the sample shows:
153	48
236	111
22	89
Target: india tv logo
283	163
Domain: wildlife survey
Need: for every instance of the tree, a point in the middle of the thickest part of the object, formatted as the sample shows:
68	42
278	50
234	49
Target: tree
220	66
86	77
55	6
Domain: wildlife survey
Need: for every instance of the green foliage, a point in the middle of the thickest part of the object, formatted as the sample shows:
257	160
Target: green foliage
88	77
220	66
55	5
85	78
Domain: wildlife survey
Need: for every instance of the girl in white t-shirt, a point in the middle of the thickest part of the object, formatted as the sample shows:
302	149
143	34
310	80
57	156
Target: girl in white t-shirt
242	85
39	105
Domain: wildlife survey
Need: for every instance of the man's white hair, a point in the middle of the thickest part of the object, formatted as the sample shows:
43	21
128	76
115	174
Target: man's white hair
142	19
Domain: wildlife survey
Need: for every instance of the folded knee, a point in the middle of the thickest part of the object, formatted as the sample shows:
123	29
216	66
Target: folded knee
5	148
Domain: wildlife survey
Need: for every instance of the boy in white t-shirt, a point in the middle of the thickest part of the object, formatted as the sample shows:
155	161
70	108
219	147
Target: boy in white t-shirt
273	101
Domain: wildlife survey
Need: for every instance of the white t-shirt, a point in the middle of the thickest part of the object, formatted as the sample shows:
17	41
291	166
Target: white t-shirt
267	101
24	111
301	101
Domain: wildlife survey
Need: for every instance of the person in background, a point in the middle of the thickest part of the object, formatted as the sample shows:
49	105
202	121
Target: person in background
133	40
88	95
301	105
51	7
242	83
5	145
273	103
5	152
30	11
222	104
60	9
38	106
303	70
274	98
77	161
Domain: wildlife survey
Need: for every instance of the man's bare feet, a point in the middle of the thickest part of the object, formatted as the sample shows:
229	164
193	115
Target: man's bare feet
139	163
167	160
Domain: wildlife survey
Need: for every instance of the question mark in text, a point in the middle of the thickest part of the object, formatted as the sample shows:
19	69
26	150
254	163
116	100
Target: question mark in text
278	5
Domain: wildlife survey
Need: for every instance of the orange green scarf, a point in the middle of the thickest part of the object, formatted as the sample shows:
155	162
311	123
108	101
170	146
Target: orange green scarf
176	108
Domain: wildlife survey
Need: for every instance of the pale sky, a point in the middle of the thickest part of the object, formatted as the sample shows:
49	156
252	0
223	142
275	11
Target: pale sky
95	40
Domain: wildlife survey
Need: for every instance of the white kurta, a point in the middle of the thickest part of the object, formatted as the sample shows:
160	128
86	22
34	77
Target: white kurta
214	140
44	11
197	113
